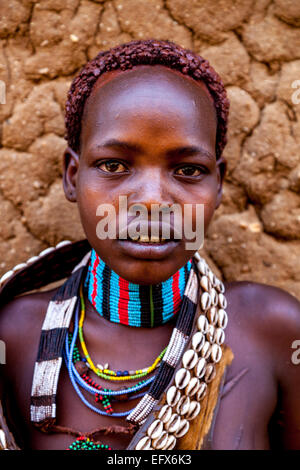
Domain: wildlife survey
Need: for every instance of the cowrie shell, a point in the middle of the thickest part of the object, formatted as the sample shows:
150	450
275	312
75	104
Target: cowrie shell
214	297
205	283
222	318
165	413
202	324
212	315
200	368
201	265
205	301
210	275
160	441
189	359
63	243
222	300
183	428
173	424
144	443
192	387
216	353
32	259
183	405
205	351
6	276
201	391
220	287
171	442
210	335
210	373
19	266
155	429
194	410
198	341
182	378
215	281
173	396
219	336
46	251
197	256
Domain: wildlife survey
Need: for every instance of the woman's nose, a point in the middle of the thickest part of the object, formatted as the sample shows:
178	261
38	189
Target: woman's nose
151	188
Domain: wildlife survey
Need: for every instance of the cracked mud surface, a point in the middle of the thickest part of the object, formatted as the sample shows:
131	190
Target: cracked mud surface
254	46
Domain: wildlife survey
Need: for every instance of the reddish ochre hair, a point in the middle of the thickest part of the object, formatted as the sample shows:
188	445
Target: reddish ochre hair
145	52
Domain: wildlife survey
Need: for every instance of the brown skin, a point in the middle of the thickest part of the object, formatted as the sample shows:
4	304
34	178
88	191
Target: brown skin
159	112
159	121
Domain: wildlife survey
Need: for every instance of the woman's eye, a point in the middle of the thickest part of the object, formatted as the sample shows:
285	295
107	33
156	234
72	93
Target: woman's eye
189	170
112	167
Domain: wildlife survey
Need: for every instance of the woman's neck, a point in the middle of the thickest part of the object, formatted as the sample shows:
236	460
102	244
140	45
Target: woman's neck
121	301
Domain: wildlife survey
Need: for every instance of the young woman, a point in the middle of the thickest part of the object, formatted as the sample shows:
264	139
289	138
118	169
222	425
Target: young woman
129	352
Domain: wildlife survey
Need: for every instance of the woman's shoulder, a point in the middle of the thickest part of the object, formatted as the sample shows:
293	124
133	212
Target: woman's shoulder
24	315
275	310
265	295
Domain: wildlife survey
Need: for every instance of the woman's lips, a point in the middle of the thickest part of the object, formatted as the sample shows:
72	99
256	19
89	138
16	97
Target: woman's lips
148	250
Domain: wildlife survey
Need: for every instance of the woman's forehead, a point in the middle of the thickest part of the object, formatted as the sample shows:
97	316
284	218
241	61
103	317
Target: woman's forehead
146	71
146	89
149	104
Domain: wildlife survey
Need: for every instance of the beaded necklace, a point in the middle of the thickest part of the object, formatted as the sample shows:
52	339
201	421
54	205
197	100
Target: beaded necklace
81	365
107	373
196	356
131	304
77	381
183	321
84	443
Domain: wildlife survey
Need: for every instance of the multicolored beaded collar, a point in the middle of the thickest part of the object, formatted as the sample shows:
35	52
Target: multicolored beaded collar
131	304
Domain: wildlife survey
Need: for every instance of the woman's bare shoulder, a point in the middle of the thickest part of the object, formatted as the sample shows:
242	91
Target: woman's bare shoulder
24	314
265	295
274	308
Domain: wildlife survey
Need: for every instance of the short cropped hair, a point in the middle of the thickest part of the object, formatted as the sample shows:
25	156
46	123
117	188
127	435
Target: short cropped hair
144	52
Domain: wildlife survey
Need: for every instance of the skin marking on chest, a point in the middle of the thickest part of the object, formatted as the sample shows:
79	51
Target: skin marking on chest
238	438
232	382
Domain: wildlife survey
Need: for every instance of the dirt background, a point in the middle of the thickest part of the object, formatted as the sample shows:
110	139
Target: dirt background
254	46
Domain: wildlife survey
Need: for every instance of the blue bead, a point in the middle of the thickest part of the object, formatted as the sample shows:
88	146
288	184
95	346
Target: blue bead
119	373
125	372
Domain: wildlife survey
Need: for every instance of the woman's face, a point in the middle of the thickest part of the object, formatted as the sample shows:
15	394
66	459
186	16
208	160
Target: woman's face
148	135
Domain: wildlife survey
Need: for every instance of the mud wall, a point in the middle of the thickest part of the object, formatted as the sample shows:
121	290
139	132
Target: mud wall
255	47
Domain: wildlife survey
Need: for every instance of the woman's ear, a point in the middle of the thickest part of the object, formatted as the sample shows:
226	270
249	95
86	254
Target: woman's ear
221	171
70	170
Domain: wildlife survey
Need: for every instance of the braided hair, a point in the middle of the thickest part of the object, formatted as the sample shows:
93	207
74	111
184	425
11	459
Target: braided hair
144	52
